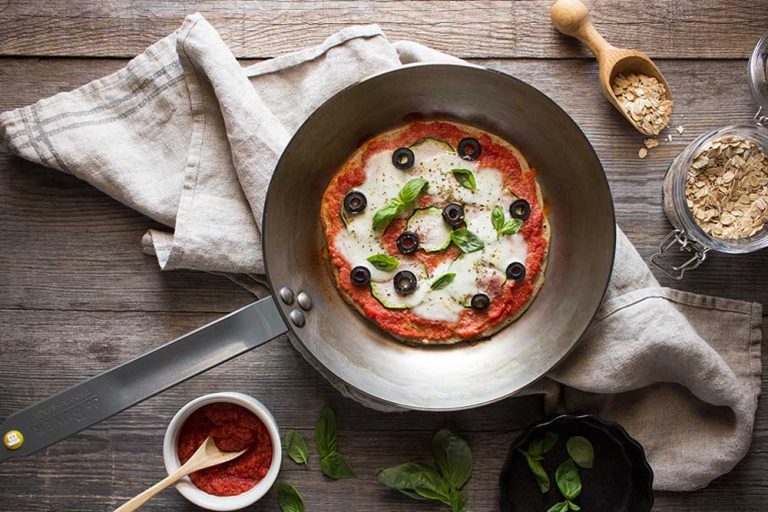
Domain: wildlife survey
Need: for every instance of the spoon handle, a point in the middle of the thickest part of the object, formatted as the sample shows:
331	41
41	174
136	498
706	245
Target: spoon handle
571	17
140	499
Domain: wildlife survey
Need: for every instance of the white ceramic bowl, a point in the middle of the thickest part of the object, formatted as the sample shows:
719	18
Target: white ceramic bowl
187	488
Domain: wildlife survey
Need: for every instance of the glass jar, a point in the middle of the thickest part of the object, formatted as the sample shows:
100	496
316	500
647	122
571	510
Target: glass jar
689	238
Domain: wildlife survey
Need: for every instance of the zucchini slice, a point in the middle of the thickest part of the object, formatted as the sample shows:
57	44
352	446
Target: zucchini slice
433	232
386	293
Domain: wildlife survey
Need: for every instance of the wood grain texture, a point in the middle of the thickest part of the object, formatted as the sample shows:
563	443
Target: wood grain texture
77	296
480	29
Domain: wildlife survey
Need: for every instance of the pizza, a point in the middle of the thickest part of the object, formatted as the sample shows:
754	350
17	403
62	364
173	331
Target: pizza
436	232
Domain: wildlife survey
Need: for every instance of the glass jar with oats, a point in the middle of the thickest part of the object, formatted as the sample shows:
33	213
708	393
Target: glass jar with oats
716	190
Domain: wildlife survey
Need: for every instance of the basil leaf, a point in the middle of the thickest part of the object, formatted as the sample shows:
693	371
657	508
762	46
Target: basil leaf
443	281
296	447
387	213
465	178
510	227
417	481
334	466
573	506
497	218
411	190
383	262
538	471
466	240
458	501
289	498
542	445
453	457
568	481
560	506
581	451
326	439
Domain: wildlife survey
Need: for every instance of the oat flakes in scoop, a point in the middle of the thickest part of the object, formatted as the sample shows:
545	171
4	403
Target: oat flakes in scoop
643	98
727	188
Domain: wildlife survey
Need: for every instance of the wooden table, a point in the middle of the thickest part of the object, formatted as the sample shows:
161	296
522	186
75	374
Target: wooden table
77	296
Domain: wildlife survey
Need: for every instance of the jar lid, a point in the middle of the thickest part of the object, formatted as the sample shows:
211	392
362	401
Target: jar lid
758	74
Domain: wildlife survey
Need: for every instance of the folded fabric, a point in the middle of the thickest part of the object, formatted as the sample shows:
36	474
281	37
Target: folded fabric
188	137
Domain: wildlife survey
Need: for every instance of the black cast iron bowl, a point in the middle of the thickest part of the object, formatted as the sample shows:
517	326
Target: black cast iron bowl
620	480
461	376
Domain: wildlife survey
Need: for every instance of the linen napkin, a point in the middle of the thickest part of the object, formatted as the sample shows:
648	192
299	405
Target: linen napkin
188	137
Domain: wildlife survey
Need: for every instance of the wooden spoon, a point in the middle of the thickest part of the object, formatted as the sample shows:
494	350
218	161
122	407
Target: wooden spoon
206	456
571	17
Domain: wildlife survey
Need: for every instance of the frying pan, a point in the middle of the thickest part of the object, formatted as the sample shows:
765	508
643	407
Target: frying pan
306	302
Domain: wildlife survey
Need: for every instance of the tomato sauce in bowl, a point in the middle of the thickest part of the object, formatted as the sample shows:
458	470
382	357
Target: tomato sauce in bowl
233	428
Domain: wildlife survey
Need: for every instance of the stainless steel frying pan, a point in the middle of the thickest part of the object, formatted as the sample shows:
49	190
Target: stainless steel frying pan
307	303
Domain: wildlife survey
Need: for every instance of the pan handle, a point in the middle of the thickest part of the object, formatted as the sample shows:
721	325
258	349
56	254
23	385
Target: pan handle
100	397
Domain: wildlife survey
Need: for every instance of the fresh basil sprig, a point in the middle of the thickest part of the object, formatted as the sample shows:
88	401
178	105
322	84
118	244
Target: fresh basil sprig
383	262
296	447
581	451
332	463
466	240
443	281
453	459
289	498
535	454
465	178
394	207
504	227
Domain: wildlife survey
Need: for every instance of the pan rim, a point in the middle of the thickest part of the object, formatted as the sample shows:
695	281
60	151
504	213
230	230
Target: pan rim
315	362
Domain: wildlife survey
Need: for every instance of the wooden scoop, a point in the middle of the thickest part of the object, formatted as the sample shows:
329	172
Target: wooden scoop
571	17
206	456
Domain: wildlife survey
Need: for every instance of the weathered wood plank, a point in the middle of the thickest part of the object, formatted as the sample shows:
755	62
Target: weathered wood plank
68	246
113	460
480	29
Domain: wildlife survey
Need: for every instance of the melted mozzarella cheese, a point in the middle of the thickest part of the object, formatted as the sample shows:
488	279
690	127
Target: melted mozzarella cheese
481	271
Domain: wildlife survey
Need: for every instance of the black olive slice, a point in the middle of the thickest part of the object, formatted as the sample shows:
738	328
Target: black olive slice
453	214
520	209
403	158
405	282
469	149
516	271
480	301
360	276
355	202
407	242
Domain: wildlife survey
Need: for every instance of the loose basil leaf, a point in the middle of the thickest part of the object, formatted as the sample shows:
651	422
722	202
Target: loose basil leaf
573	506
581	451
443	281
411	190
560	506
568	481
465	178
542	445
326	439
510	227
334	466
466	240
453	457
538	471
383	262
387	213
497	218
417	481
289	498
296	447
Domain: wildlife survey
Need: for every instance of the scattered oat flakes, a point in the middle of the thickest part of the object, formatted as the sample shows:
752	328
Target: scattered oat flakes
727	188
643	99
650	143
643	152
680	129
669	137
